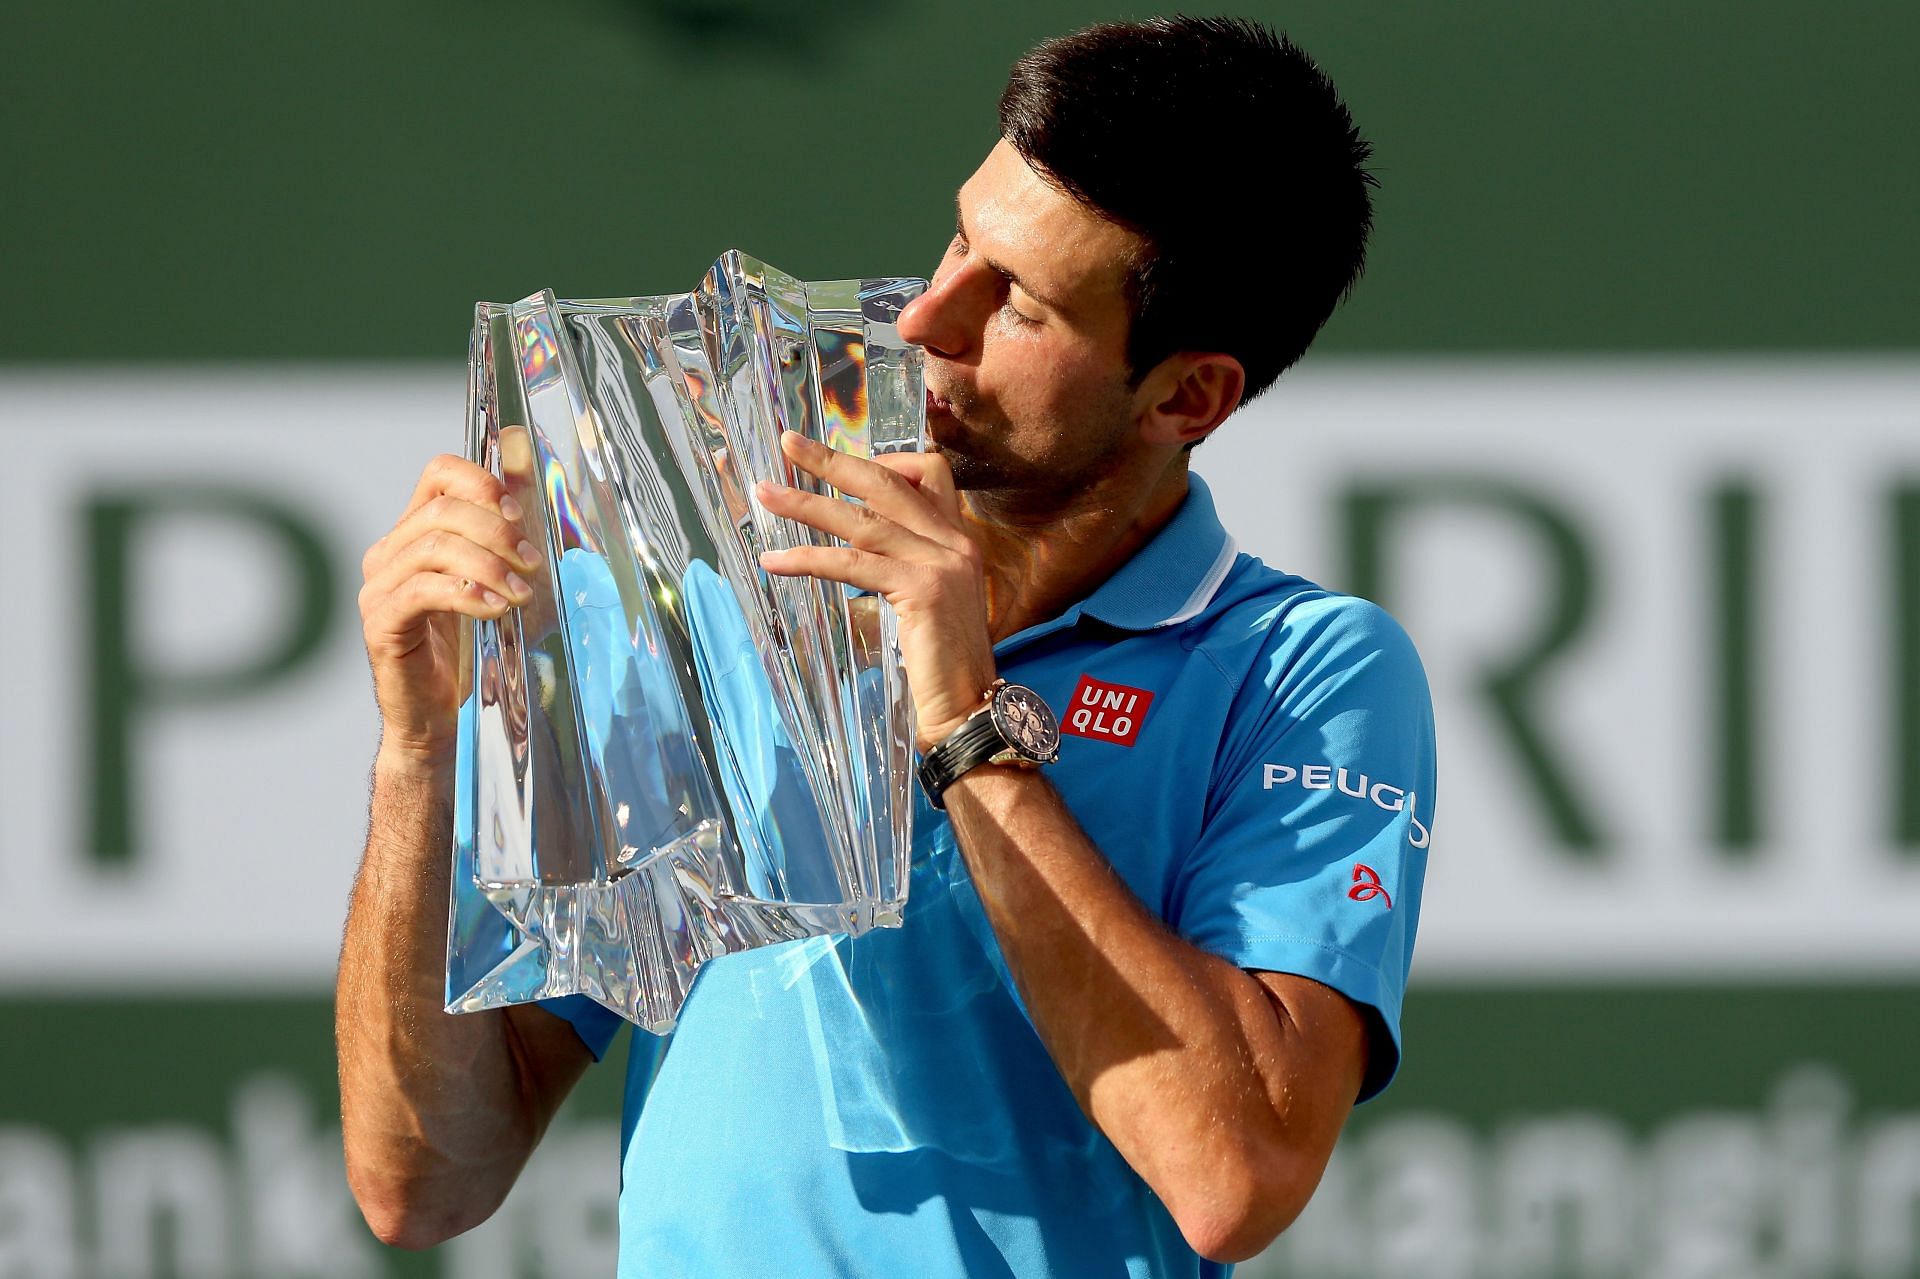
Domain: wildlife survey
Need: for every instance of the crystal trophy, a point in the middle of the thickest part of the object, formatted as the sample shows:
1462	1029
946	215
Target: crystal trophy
669	754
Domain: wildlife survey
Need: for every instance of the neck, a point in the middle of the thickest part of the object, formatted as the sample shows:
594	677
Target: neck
1039	562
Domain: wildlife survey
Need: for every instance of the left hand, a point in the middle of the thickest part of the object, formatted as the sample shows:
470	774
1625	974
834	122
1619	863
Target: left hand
908	544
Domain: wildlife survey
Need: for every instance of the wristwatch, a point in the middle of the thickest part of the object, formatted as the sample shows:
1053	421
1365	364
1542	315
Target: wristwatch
1013	726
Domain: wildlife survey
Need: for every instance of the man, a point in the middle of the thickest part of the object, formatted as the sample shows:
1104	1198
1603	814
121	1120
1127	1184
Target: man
1138	990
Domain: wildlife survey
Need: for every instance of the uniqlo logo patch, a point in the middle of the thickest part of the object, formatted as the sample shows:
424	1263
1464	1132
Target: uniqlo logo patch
1106	712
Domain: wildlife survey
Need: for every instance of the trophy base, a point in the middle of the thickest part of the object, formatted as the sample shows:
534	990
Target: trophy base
579	938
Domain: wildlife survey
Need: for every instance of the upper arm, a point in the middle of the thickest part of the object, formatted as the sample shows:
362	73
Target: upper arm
1308	1046
1312	855
1329	1039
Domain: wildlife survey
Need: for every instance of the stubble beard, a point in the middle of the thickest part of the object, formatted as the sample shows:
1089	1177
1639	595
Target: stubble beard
981	465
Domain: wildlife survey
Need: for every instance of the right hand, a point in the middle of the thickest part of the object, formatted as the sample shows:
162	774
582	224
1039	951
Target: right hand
457	552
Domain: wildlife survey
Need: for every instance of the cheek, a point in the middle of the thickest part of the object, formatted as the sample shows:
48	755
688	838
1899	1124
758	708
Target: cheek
1078	387
1032	373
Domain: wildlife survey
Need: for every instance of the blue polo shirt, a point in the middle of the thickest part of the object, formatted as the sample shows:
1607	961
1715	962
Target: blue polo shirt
1255	756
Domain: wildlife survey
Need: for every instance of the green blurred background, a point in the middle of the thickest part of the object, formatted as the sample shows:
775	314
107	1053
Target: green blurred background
241	244
1619	177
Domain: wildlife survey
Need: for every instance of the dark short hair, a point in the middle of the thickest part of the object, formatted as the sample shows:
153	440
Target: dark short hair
1251	260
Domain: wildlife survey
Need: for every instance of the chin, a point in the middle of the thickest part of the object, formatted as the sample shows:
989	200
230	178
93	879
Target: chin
978	459
945	436
968	471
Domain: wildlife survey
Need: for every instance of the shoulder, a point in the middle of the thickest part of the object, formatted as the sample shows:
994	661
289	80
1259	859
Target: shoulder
1322	672
1273	630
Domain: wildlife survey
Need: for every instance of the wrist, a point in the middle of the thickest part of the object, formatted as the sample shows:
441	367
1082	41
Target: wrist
400	764
930	733
409	820
930	738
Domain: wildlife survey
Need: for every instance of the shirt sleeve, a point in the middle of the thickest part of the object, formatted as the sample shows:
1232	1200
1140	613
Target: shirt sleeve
1313	850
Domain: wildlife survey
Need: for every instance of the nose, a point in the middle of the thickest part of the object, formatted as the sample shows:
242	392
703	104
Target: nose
946	319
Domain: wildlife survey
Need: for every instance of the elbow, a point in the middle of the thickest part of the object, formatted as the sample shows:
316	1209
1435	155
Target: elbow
400	1227
401	1219
1227	1240
397	1230
1243	1208
1229	1236
410	1234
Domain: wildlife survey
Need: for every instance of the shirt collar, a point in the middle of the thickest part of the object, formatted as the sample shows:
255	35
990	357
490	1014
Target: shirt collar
1169	580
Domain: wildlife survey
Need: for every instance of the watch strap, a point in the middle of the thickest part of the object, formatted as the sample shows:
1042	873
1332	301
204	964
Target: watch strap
965	748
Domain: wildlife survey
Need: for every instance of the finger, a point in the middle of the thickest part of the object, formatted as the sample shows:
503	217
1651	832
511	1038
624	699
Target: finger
479	524
846	564
441	551
892	495
454	476
857	525
394	622
504	534
931	474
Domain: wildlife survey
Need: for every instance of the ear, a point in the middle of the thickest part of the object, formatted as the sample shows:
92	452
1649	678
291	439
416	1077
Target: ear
1187	395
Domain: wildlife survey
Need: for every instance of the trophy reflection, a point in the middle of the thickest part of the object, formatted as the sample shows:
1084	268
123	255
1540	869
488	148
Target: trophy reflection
668	753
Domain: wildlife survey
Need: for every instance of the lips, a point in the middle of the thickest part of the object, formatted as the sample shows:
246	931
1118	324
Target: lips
942	423
943	426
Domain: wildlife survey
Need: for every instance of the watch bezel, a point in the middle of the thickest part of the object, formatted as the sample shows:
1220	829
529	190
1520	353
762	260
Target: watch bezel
1002	695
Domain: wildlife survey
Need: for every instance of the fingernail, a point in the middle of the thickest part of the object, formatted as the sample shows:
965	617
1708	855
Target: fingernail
517	585
529	554
510	509
492	599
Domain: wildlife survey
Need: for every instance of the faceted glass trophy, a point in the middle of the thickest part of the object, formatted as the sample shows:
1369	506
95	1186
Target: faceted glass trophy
668	753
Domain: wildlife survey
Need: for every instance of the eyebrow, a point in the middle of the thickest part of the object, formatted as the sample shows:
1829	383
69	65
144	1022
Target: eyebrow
960	227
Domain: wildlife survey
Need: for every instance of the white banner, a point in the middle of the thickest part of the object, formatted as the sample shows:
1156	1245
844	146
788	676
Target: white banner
1661	604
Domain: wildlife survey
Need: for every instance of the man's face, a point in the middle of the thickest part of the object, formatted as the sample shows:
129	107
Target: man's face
1025	330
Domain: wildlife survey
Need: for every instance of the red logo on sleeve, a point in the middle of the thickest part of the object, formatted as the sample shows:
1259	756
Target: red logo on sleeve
1106	712
1366	885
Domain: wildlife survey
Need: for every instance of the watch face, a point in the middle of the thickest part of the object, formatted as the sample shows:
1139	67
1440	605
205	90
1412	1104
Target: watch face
1026	722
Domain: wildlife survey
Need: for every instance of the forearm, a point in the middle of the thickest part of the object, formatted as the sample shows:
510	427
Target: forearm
434	1110
1184	1061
